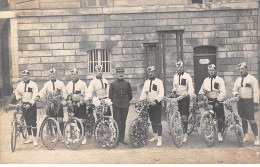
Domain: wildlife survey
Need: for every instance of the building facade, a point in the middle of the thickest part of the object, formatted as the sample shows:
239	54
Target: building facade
65	34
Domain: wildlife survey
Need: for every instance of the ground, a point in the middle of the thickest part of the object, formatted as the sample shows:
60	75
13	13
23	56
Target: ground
193	152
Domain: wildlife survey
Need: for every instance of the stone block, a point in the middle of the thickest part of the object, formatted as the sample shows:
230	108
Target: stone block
29	33
62	25
214	27
237	26
222	34
23	60
36	73
215	13
36	26
163	22
116	51
22	40
250	33
35	66
248	47
131	50
51	19
191	14
120	17
127	30
28	20
96	31
73	18
130	37
63	39
34	60
85	24
115	37
194	28
100	24
55	5
42	39
74	32
203	34
170	15
51	46
81	65
51	33
202	21
115	31
143	30
29	47
112	23
71	45
233	34
238	40
179	21
226	20
248	19
53	60
63	52
69	58
146	16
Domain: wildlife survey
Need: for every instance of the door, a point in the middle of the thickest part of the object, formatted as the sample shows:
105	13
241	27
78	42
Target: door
203	56
152	57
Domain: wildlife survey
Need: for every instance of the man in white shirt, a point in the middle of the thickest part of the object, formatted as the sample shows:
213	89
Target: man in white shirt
25	92
76	90
182	84
246	88
214	88
54	87
153	91
98	87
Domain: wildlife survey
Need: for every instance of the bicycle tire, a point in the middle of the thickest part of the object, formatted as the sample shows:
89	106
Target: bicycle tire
104	136
50	127
168	119
191	123
89	130
73	135
208	130
177	129
239	134
138	133
24	130
13	135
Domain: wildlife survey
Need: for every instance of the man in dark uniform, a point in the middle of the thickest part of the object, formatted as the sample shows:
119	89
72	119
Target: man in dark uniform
120	93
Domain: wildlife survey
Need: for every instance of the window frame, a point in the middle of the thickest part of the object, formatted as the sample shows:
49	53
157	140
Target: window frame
101	59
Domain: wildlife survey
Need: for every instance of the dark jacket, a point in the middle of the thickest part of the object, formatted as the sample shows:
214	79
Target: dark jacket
120	93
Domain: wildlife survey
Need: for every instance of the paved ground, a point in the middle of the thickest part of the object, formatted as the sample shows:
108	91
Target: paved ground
194	151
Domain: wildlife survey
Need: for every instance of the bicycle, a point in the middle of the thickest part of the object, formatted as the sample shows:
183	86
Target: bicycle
18	124
73	129
194	115
139	128
233	121
50	129
90	121
174	119
106	131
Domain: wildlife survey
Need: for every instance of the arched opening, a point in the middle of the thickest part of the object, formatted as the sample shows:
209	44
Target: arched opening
203	56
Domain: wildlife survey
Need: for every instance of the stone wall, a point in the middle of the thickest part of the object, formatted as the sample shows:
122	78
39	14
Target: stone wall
64	41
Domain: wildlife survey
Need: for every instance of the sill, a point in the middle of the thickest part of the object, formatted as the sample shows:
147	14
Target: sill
107	76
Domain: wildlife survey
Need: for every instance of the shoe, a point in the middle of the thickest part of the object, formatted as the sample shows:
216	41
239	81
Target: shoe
185	137
84	141
220	138
123	142
75	141
246	138
35	143
257	143
29	140
159	142
155	137
54	140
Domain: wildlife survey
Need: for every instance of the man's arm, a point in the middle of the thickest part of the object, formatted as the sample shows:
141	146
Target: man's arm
222	90
130	93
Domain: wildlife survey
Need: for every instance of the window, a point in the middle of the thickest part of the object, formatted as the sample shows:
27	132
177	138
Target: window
196	1
101	57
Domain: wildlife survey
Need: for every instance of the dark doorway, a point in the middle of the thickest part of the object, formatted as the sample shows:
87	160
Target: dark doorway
5	60
152	57
203	56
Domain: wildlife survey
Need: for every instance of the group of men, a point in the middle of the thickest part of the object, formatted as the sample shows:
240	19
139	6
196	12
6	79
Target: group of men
120	92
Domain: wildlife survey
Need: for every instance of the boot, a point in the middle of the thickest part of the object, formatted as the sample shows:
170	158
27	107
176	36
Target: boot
185	137
256	143
159	142
84	141
30	140
246	138
35	143
220	138
155	137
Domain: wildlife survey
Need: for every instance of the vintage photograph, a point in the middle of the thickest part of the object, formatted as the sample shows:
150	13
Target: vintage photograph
129	81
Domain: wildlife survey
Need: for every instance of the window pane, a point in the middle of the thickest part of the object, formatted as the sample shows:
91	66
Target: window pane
101	57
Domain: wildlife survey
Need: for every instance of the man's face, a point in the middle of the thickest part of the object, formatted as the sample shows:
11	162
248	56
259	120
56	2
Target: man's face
26	77
151	74
120	75
212	71
74	76
242	70
180	69
52	76
99	73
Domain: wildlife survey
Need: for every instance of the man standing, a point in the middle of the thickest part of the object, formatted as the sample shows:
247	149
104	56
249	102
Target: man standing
182	84
120	93
76	90
98	87
214	88
153	91
25	92
52	88
246	88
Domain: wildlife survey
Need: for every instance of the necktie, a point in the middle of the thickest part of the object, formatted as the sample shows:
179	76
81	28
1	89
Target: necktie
53	85
211	84
73	90
25	85
242	81
102	83
150	88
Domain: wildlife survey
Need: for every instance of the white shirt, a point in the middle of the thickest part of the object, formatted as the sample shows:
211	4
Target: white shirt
80	88
213	88
249	88
26	92
98	88
182	84
152	90
50	88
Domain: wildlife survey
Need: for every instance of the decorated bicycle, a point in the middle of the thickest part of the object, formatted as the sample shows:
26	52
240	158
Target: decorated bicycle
139	128
90	120
194	115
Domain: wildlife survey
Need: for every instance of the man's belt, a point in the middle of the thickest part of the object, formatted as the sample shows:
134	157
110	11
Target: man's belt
26	96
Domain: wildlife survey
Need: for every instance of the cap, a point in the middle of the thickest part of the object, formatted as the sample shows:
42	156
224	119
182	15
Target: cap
52	71
179	63
25	72
212	66
120	69
242	65
151	68
98	68
72	71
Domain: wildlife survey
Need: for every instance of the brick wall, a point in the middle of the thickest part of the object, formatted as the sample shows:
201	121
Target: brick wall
64	41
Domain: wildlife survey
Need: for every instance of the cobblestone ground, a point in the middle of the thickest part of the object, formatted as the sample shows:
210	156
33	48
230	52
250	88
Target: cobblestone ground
194	151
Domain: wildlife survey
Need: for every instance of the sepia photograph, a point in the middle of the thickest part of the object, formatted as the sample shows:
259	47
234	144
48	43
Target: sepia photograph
129	82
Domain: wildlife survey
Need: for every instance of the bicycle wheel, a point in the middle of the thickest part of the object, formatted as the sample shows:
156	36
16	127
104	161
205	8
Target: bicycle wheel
49	133
73	133
89	126
208	130
13	135
177	129
106	132
239	134
138	133
24	130
168	117
191	123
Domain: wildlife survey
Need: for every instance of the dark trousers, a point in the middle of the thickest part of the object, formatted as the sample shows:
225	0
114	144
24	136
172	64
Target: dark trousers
120	115
30	117
155	118
220	114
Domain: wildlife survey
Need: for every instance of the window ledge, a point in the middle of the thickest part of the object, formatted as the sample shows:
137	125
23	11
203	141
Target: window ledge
107	76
